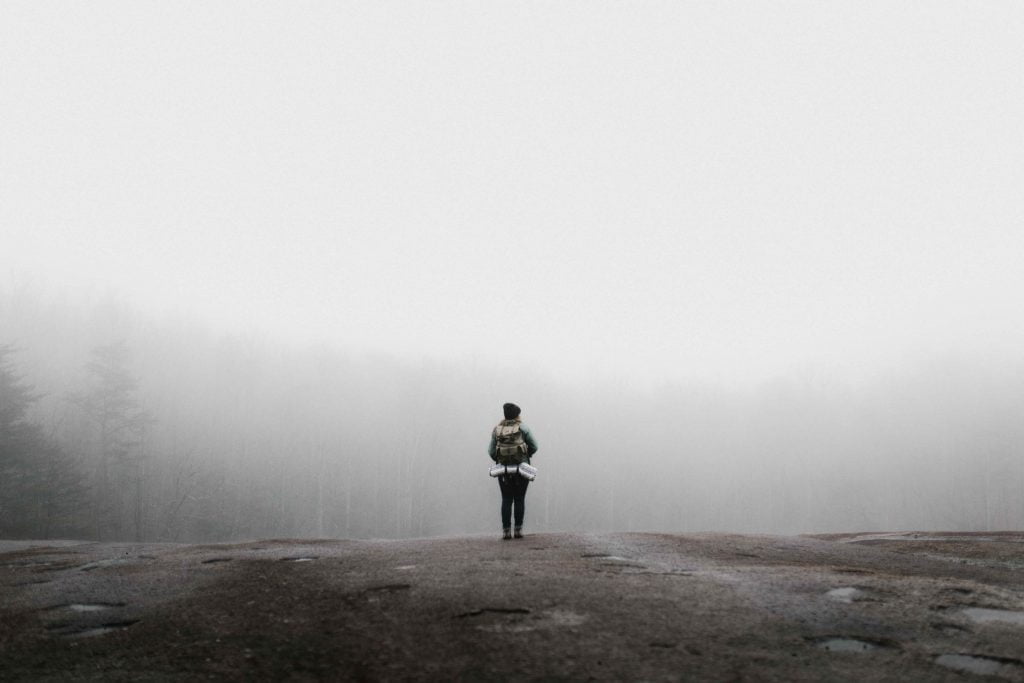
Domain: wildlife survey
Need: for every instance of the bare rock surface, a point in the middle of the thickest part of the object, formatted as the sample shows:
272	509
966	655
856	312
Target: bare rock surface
885	607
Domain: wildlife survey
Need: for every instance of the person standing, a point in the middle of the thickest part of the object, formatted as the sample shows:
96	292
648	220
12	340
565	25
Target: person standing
512	443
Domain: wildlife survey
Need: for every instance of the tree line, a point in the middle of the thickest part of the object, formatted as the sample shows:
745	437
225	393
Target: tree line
114	426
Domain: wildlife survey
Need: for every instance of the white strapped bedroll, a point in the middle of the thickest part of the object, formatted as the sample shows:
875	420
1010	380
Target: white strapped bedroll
528	472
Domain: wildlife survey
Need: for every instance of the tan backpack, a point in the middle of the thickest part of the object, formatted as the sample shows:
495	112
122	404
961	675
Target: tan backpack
510	446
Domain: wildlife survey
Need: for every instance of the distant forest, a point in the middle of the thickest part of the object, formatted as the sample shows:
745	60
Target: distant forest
116	425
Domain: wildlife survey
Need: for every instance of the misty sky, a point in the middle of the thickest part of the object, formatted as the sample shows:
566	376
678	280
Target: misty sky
681	189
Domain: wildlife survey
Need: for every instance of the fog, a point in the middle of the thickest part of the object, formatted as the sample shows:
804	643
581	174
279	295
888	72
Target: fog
272	271
231	437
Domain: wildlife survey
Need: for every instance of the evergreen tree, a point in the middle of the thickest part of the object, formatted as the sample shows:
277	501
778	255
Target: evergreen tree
117	478
41	487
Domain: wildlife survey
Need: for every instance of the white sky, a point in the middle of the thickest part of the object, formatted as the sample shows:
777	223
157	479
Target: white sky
710	189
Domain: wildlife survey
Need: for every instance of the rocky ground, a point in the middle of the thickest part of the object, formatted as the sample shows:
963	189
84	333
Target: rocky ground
551	606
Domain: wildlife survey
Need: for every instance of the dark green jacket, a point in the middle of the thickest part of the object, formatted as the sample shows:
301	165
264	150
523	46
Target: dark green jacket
531	443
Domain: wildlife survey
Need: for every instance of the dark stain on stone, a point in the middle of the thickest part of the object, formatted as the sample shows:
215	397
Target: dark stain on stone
389	588
59	625
492	610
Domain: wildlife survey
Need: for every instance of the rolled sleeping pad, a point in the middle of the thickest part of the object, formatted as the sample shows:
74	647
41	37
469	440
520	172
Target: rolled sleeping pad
528	472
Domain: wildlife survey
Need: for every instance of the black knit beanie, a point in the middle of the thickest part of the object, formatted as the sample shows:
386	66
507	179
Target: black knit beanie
511	411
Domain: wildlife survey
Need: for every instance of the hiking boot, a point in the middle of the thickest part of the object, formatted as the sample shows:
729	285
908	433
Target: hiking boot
519	532
506	535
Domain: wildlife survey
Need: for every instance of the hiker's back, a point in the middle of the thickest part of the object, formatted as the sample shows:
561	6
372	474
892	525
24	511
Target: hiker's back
509	444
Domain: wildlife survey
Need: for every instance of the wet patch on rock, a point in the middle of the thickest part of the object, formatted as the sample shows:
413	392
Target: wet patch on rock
849	594
493	610
29	564
30	583
851	644
983	615
623	565
85	631
98	564
520	620
611	558
390	588
85	606
845	594
950	629
217	560
983	665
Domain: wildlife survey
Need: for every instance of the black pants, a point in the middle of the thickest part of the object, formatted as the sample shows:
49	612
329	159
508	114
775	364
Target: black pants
513	491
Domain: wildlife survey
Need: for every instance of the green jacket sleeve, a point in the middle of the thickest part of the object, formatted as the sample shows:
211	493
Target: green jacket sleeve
531	443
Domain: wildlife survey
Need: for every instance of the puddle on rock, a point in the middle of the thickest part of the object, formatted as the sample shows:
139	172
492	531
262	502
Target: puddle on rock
984	615
845	644
604	556
846	594
520	620
299	559
74	631
100	630
493	610
980	664
93	607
